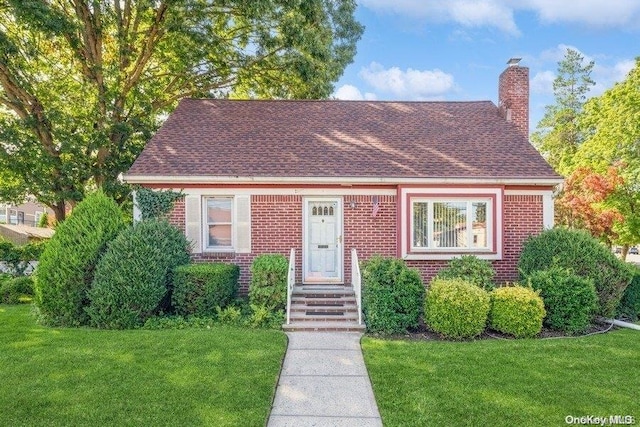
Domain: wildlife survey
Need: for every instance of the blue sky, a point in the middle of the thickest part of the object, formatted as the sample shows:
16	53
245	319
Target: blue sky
454	50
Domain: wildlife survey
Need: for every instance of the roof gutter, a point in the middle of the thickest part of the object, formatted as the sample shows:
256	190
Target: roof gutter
208	179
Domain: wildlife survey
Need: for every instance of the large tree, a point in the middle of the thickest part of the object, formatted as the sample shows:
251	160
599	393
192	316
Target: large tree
84	83
558	134
611	123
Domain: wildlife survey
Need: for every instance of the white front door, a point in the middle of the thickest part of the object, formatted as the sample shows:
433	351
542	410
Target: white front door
323	240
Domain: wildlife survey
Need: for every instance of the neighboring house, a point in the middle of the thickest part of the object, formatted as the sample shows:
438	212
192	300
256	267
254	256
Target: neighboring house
28	213
423	181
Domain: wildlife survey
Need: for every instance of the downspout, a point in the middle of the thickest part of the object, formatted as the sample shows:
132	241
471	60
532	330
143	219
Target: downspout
622	324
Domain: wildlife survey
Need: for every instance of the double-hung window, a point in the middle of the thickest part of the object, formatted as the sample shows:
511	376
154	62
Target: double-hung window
219	223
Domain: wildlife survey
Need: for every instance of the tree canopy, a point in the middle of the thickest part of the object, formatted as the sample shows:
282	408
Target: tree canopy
611	123
558	134
85	83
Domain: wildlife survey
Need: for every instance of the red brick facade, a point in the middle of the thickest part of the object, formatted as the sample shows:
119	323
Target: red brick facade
276	227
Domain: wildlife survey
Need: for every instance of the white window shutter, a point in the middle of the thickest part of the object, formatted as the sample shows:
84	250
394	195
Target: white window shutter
243	224
193	223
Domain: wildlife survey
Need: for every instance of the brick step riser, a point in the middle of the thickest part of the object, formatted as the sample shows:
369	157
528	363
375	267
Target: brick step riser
323	310
328	319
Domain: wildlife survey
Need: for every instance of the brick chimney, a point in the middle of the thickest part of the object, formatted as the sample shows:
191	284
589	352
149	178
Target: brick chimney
513	95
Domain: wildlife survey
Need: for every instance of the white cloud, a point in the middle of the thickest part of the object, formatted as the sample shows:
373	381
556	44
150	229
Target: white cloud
542	82
499	14
408	84
352	93
468	13
606	76
592	13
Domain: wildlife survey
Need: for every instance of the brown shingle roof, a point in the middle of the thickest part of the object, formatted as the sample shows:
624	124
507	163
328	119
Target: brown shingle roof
363	139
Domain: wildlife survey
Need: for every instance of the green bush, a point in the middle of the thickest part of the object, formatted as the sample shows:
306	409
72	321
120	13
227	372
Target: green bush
392	295
66	268
471	269
199	288
517	311
456	308
629	307
44	220
229	315
133	278
14	289
585	256
268	287
263	317
569	300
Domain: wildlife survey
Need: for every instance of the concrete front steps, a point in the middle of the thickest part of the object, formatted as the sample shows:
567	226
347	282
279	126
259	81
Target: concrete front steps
323	308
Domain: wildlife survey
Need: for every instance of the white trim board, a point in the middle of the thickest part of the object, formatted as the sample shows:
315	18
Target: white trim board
189	179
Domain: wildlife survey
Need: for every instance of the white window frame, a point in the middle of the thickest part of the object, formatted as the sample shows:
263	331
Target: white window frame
469	201
206	224
450	193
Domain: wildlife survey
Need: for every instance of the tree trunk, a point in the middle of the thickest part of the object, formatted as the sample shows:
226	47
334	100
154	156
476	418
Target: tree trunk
59	209
625	252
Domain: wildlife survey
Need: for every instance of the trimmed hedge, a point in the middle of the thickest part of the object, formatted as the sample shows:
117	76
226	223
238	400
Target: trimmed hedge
14	288
569	300
585	256
199	288
66	267
392	295
517	311
133	279
629	307
470	268
268	287
456	308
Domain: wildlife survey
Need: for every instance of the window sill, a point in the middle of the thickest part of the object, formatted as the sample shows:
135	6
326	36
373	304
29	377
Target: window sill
225	251
437	256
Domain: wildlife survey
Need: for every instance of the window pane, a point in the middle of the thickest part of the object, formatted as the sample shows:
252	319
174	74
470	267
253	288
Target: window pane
218	210
479	218
420	225
220	235
450	225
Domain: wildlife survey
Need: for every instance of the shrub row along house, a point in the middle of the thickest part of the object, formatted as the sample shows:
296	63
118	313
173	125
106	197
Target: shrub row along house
422	181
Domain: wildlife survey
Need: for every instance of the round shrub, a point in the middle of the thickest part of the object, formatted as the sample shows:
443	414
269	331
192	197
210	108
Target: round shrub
585	256
456	308
199	288
268	287
12	289
517	311
392	295
133	277
569	300
66	267
629	307
471	269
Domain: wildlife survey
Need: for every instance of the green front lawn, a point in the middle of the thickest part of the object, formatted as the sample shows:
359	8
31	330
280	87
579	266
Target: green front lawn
221	376
504	382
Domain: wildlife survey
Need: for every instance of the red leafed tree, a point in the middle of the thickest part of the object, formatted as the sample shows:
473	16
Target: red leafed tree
583	202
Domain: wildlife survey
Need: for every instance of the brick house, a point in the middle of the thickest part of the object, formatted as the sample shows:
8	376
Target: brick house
424	181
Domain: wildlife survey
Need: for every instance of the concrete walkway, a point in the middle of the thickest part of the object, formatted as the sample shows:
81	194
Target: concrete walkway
324	382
